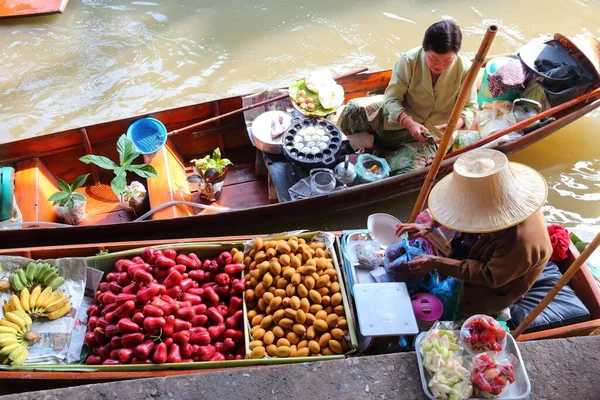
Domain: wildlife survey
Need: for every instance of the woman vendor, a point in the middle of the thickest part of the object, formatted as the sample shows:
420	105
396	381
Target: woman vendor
502	243
422	91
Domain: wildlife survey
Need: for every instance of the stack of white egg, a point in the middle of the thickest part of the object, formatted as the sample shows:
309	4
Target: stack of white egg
311	139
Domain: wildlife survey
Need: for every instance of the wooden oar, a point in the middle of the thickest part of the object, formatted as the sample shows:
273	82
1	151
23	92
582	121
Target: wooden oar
525	122
559	285
251	106
463	96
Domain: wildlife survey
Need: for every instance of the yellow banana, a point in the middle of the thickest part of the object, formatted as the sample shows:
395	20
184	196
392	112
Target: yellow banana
34	295
8	341
16	319
6	307
9	349
16	353
56	295
26	317
15	303
57	304
60	312
5	322
21	358
6	329
43	296
24	297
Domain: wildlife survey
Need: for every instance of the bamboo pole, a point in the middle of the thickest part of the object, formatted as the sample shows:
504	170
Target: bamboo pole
251	106
559	285
463	96
525	122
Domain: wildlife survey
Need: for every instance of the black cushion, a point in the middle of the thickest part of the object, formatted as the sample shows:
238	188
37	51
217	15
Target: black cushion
565	309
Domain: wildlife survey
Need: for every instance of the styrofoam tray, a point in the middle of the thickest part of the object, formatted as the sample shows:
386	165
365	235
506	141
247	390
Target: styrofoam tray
518	390
384	309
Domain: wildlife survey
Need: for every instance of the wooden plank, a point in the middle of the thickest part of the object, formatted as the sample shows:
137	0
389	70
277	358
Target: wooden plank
29	8
34	184
580	329
170	184
241	196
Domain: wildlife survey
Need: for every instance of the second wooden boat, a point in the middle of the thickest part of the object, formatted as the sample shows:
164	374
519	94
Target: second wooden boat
248	202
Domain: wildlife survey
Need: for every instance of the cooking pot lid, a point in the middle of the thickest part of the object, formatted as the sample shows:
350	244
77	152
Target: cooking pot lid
261	127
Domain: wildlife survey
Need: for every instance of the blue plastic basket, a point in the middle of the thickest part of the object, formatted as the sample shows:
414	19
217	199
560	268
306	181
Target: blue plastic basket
148	135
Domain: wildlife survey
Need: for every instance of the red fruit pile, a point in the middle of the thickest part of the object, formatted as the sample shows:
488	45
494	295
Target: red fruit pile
491	377
483	333
168	307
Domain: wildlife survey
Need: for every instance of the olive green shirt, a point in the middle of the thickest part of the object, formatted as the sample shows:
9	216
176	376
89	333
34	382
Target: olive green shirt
411	90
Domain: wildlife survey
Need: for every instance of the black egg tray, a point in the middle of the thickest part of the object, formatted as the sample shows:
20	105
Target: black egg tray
324	157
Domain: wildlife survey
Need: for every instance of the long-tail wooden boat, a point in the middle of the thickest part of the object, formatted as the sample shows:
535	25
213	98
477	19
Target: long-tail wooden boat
247	195
583	284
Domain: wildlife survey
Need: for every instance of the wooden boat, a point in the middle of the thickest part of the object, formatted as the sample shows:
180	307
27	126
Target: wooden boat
582	283
31	8
247	193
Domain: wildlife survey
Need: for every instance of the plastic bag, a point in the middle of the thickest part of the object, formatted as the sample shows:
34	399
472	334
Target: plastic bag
482	333
364	253
397	257
371	169
492	374
74	216
440	346
497	118
448	291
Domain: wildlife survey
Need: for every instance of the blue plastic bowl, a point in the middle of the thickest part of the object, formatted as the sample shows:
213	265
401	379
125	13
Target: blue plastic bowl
148	135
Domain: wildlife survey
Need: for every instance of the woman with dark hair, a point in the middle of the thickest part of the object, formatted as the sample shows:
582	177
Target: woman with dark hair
424	87
422	91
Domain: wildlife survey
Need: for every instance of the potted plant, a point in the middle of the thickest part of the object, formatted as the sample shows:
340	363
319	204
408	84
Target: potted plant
70	206
131	197
210	171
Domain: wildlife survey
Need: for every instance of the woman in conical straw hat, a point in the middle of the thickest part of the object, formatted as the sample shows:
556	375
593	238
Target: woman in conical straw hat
503	243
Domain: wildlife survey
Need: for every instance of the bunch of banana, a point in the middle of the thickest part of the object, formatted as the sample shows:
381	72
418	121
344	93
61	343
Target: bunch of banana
36	273
48	303
15	336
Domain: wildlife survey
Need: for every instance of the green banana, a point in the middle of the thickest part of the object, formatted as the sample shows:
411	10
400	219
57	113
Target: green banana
16	283
42	271
22	277
57	282
50	276
30	271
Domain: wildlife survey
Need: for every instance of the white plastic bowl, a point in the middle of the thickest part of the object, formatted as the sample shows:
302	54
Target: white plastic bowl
383	228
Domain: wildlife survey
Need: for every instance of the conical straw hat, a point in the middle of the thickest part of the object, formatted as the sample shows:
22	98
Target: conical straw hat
486	193
585	49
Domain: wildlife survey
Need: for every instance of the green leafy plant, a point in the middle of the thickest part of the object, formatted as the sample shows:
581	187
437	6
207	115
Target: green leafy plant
215	162
127	153
67	196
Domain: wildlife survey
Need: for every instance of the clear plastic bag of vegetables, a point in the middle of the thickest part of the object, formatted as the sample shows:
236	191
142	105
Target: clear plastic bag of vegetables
491	374
440	347
451	382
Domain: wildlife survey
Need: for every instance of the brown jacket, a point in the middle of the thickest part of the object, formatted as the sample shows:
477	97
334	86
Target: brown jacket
501	266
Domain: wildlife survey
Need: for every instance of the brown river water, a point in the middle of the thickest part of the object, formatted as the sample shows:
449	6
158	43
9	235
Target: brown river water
104	60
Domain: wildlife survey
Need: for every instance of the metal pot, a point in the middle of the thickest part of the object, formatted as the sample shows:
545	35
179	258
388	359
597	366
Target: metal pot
345	173
527	108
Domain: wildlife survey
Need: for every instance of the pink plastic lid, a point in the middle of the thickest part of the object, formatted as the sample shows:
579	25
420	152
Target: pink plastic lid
427	307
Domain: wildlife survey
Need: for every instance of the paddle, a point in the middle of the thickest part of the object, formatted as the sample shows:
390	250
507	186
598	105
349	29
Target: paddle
559	285
250	107
463	96
525	122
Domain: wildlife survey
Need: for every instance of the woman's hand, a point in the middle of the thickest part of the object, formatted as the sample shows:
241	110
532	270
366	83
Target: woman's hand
415	230
421	265
416	130
459	124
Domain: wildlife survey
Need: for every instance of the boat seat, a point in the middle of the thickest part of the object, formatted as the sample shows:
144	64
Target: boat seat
565	309
34	184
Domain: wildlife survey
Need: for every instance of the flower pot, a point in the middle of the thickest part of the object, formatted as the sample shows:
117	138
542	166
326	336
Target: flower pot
73	217
210	183
132	197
